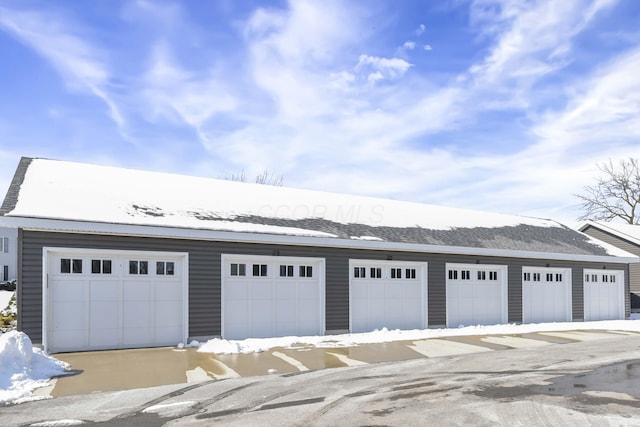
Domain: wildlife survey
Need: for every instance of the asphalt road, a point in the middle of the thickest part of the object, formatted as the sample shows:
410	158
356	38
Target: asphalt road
579	384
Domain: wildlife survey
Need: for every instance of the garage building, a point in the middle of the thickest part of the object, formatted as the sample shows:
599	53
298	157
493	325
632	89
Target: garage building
114	258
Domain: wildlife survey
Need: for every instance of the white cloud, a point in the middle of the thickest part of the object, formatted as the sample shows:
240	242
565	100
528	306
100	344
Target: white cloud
421	28
384	67
79	63
409	45
603	109
174	93
533	39
427	47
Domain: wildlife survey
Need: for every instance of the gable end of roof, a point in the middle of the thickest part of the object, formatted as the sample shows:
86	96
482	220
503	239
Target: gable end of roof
11	199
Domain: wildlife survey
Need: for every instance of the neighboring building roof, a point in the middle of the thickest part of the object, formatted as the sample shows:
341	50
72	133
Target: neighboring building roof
628	232
58	190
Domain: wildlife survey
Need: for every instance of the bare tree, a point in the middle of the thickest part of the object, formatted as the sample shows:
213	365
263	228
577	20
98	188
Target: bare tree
266	178
615	195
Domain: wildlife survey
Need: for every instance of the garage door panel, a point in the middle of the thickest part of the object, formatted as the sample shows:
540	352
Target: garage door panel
261	291
102	306
69	339
476	294
546	294
104	313
358	293
69	314
137	291
104	337
137	313
167	313
104	290
604	295
67	290
168	335
168	291
286	291
383	295
137	337
281	300
236	291
308	290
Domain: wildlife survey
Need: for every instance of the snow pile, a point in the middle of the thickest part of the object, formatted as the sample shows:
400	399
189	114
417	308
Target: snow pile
253	345
24	368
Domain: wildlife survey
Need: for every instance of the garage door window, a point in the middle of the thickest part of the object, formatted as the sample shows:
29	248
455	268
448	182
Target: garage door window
396	273
286	271
376	273
359	272
260	270
68	265
238	269
138	267
306	271
593	278
165	268
410	273
101	266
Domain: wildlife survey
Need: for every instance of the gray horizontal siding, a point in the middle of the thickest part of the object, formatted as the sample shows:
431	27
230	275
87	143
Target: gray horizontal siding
205	277
625	245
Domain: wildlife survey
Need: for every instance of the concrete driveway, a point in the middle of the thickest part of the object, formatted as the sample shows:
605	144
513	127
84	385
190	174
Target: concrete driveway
594	381
131	369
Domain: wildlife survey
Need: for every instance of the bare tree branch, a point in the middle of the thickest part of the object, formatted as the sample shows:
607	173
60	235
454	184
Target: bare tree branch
266	178
615	195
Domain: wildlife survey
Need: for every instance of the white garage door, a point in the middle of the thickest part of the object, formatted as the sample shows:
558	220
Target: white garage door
98	300
391	294
603	295
476	294
546	295
272	296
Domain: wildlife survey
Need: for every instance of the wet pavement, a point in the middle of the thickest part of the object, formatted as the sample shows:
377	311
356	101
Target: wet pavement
141	368
580	379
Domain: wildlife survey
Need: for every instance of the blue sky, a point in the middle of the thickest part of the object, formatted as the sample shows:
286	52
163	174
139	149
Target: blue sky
494	105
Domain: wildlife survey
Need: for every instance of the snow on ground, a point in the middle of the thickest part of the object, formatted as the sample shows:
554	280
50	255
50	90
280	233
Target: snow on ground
252	345
24	368
5	297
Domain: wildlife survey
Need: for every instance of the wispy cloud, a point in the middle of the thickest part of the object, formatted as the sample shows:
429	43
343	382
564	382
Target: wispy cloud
317	93
383	67
80	64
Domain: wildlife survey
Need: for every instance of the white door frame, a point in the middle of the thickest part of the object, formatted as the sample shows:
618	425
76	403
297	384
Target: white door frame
47	251
418	265
248	258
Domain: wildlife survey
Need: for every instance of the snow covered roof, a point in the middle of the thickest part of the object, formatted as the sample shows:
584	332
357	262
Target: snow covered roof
51	189
628	232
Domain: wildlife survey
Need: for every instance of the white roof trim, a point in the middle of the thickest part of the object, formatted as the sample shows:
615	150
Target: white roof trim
611	230
229	236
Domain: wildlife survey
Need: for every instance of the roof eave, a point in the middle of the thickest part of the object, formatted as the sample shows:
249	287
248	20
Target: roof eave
602	227
68	226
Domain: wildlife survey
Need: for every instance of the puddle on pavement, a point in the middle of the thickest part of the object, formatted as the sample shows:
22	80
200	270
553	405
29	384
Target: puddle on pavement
617	378
616	383
113	370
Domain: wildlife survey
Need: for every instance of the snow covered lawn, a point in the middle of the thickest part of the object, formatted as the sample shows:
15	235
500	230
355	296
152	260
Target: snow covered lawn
221	346
24	368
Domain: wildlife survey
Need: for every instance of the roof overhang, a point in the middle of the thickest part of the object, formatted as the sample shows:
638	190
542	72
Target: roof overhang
611	230
85	227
